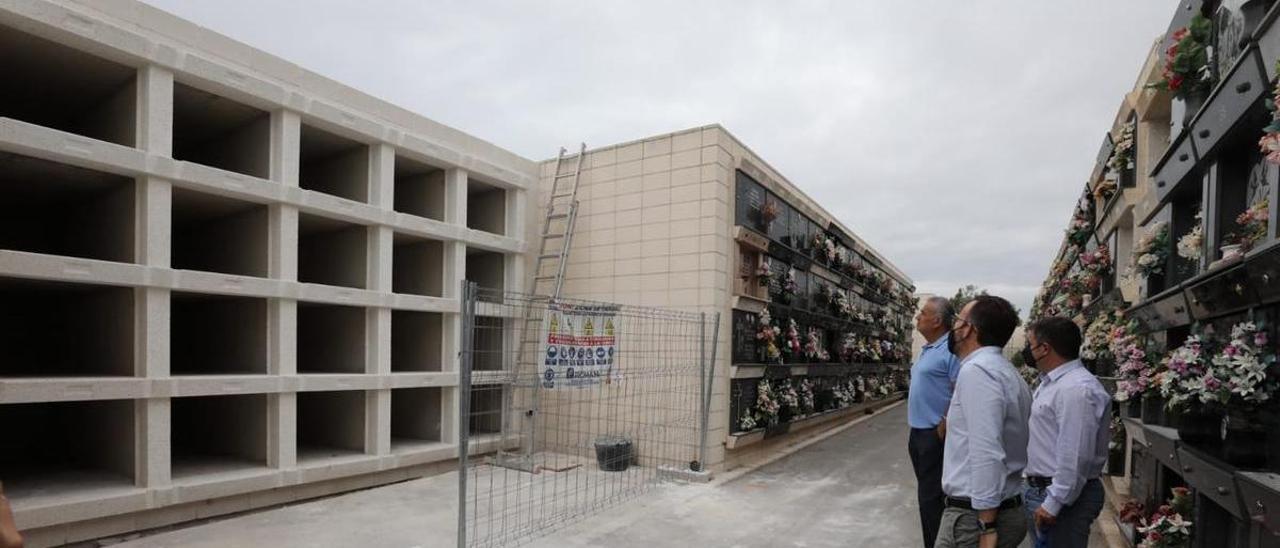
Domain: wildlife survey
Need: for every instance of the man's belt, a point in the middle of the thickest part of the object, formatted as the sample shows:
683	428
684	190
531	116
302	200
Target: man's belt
964	502
1039	482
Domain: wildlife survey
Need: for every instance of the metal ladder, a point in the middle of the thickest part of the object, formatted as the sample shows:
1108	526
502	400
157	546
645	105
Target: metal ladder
549	266
557	228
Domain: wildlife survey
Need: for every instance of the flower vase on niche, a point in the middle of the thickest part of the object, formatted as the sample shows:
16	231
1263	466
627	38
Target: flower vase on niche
1153	410
1192	103
1245	441
1197	426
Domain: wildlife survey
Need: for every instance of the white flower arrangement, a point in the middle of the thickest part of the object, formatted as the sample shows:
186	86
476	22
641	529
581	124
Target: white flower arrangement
1191	244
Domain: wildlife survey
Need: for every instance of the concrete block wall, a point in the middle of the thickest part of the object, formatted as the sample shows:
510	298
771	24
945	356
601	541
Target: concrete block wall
225	281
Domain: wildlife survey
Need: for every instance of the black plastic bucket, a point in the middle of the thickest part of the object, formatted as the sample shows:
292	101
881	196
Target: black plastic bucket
613	453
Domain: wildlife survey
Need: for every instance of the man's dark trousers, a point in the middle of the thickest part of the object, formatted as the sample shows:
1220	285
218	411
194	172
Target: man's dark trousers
925	449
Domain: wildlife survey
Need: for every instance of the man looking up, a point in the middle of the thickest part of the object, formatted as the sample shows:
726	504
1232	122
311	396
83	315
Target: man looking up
1070	419
986	446
933	377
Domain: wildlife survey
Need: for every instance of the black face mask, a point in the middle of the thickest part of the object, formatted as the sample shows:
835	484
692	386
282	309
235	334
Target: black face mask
951	341
1028	357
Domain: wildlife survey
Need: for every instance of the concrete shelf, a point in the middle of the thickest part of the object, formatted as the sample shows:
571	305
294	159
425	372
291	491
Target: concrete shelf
416	341
486	207
330	425
332	252
486	409
417	266
214	334
217	435
57	209
333	164
57	330
52	85
215	131
416	418
419	189
53	451
217	234
331	339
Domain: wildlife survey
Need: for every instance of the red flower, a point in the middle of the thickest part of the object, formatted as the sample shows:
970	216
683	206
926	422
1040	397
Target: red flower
1175	82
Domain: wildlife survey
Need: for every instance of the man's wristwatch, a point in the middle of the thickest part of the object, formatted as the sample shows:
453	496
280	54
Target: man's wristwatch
986	527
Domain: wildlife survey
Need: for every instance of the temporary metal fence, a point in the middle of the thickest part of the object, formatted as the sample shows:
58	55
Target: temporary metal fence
570	407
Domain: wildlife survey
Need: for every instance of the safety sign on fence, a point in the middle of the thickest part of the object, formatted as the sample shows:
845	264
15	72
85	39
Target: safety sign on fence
580	345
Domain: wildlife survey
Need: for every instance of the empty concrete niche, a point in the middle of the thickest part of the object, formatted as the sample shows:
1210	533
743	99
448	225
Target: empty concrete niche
330	424
218	234
52	329
333	164
331	338
332	252
63	450
47	207
486	268
415	418
489	343
52	85
219	132
416	341
417	266
214	435
486	409
486	207
217	335
419	189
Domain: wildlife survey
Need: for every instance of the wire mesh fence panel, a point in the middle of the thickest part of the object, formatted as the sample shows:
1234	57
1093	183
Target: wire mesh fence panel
571	407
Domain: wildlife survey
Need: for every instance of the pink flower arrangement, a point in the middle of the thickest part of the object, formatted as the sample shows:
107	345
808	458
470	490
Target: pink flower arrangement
1252	225
764	272
1134	368
813	348
1166	527
791	339
767	335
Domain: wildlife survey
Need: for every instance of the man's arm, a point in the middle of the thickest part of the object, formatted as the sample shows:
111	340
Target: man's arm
1078	416
953	371
981	398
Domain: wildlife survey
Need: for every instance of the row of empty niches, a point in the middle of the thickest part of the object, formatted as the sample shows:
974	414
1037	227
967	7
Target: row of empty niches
58	448
56	329
60	87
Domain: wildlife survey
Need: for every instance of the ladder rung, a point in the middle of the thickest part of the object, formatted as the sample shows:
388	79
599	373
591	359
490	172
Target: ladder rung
549	256
554	196
553	235
557	215
544	278
563	175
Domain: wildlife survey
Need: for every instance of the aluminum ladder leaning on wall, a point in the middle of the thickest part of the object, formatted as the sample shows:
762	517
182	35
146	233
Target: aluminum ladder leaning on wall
555	241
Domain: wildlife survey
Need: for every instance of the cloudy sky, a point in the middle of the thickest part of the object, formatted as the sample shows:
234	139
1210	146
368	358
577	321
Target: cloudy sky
952	136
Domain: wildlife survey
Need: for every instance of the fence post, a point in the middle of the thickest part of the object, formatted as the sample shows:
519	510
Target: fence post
467	314
708	370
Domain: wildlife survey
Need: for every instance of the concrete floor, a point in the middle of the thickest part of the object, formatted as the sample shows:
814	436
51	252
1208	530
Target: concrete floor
853	489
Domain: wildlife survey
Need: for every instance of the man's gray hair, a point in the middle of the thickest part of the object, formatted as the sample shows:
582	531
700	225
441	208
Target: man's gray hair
942	307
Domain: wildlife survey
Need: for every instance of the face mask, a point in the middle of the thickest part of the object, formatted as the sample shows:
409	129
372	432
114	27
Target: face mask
1028	357
952	339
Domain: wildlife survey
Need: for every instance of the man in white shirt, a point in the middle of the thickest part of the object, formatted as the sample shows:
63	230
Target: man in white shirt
1070	428
986	446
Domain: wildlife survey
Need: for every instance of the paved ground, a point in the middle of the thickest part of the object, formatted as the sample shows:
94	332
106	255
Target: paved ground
854	489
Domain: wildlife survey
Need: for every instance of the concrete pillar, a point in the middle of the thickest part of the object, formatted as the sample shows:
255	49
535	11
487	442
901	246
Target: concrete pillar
455	196
282	263
377	417
152	235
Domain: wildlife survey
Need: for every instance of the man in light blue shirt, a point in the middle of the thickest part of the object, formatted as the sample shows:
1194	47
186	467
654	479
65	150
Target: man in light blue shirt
932	378
1070	428
986	446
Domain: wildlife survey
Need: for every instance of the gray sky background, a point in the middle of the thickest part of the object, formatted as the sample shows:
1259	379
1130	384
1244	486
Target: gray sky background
952	136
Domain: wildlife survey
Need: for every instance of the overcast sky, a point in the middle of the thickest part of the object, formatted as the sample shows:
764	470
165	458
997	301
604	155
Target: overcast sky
953	136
